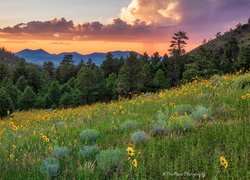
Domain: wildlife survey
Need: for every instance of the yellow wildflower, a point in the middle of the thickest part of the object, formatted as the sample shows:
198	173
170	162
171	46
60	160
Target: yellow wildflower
131	151
204	116
12	156
223	162
243	97
135	163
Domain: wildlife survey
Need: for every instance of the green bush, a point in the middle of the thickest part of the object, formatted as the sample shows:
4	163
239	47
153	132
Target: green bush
139	137
184	109
242	82
6	104
128	125
111	160
89	152
50	167
90	135
181	124
61	152
201	113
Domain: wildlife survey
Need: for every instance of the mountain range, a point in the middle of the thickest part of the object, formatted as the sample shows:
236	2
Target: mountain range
40	56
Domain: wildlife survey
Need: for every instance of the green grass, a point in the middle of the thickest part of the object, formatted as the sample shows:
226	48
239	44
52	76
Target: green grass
198	152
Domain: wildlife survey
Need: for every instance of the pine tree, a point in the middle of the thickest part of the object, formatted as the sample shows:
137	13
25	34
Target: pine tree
4	71
109	65
243	61
160	80
27	99
6	104
53	94
128	79
178	43
66	70
21	83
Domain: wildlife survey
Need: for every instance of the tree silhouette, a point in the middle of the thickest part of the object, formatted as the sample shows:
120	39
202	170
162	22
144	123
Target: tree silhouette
178	43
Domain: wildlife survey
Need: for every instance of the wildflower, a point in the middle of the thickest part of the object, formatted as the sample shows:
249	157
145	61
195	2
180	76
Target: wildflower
15	128
243	97
131	151
135	163
204	116
247	95
12	156
223	162
50	148
47	139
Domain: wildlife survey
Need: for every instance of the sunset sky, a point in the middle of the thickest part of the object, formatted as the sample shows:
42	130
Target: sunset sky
88	26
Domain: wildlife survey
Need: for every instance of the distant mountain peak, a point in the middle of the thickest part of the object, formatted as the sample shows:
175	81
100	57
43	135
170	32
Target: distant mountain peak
39	56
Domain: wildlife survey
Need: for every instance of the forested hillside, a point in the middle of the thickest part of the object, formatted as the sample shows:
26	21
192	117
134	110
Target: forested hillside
26	86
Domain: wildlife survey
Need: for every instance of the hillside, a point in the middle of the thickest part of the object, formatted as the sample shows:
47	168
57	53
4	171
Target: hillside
8	57
241	33
40	56
199	130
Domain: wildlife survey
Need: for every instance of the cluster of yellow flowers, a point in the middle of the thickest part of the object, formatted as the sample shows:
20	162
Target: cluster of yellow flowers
13	126
245	96
223	162
45	138
131	154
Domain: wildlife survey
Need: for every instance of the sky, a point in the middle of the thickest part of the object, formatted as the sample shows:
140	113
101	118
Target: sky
88	26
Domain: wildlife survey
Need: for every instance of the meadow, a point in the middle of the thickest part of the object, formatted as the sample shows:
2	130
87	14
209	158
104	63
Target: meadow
198	130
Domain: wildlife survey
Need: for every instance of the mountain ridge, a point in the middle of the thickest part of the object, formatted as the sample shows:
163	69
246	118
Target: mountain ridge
39	56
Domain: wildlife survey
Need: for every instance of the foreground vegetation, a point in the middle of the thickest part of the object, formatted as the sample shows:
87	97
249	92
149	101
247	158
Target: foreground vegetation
199	130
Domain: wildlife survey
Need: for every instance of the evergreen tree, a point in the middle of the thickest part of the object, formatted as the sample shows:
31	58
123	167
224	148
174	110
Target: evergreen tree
6	104
111	87
21	83
109	65
49	68
244	58
128	79
146	78
66	70
178	43
13	92
229	59
66	100
160	80
27	99
4	71
53	94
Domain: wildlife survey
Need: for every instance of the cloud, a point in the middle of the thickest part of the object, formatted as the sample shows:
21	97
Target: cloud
61	29
184	12
140	21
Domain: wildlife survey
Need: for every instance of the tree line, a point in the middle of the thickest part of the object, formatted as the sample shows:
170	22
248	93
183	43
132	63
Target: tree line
26	86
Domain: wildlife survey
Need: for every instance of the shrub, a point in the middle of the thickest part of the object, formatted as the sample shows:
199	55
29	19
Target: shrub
242	82
61	152
163	114
159	129
201	113
6	103
60	124
111	160
128	125
50	167
139	137
184	109
181	124
90	135
89	152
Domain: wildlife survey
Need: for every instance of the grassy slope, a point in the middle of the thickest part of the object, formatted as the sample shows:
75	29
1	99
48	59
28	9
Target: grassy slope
227	134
